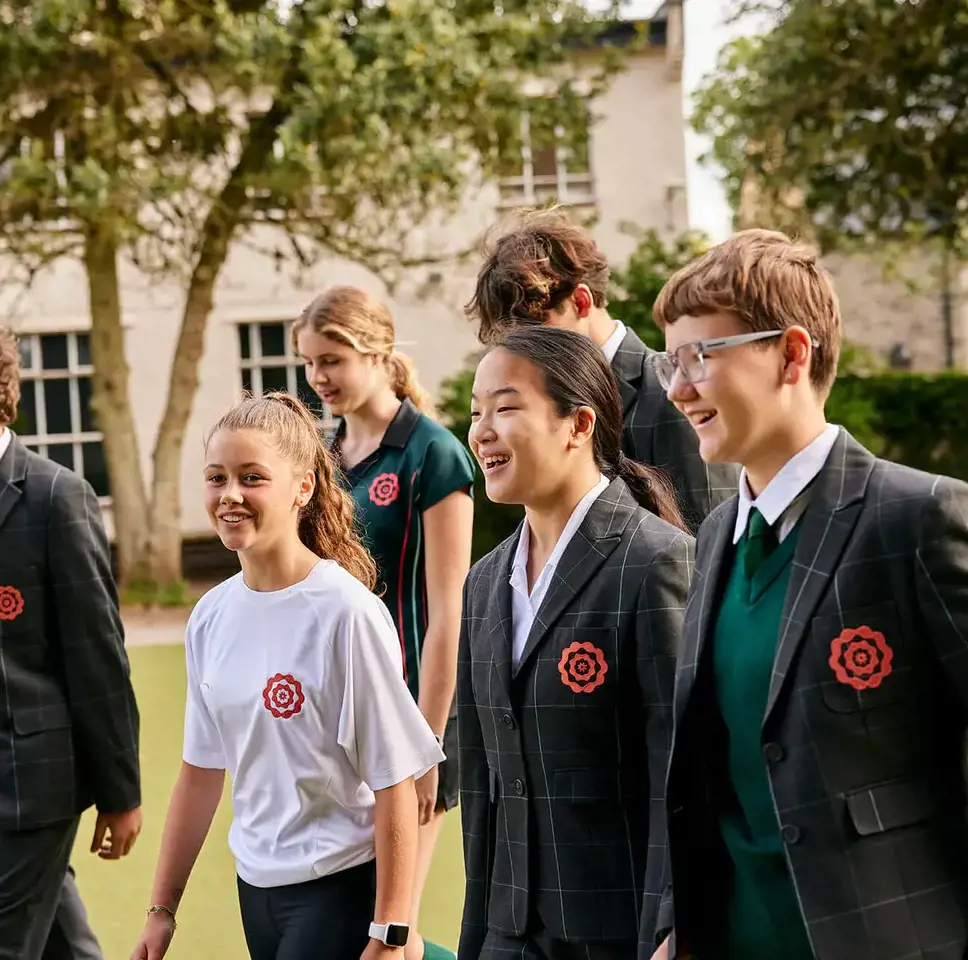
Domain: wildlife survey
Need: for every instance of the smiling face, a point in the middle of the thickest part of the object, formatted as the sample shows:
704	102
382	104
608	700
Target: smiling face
252	493
737	408
526	451
343	378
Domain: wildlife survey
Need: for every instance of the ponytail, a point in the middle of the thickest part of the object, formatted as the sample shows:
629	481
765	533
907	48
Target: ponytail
650	488
403	379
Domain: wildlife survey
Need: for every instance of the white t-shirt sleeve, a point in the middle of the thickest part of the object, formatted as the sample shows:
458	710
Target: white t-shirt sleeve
203	745
381	729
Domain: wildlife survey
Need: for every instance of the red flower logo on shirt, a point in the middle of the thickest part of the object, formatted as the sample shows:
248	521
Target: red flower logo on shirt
385	489
861	658
582	667
283	696
11	603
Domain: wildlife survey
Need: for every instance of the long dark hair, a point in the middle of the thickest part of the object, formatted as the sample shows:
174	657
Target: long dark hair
576	374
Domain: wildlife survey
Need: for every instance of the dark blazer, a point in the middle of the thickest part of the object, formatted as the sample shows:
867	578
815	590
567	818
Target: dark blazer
656	433
561	788
865	720
68	718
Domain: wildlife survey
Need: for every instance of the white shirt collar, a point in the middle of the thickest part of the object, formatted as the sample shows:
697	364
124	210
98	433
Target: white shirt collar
787	485
611	345
519	567
6	438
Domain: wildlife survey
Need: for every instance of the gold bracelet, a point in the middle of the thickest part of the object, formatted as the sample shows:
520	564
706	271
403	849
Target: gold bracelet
161	908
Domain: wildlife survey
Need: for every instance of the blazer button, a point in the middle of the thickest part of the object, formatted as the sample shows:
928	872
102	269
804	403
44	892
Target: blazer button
508	721
519	787
790	834
773	752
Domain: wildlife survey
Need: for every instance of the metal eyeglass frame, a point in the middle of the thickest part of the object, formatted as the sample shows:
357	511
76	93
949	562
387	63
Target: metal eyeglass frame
702	347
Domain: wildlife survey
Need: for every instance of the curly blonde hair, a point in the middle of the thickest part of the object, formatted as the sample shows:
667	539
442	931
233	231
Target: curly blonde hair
9	376
327	524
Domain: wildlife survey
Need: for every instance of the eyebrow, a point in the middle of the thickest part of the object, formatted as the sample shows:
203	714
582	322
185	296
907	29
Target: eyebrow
500	392
242	466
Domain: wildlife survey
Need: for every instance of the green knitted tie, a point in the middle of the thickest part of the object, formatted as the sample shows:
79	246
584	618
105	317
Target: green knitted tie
761	541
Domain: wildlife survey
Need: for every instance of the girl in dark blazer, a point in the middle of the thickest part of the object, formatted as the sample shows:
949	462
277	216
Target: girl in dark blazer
566	665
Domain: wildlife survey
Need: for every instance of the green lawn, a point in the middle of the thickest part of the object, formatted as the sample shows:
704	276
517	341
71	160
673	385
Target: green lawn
116	894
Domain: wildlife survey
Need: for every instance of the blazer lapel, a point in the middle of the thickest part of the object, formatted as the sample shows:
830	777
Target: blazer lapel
701	606
498	626
13	470
627	367
592	544
826	526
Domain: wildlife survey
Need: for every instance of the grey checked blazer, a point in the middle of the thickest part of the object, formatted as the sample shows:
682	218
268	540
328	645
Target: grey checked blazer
68	719
864	729
656	433
561	788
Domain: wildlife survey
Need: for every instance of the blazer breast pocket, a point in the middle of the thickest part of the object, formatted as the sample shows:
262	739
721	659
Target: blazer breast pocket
582	665
861	658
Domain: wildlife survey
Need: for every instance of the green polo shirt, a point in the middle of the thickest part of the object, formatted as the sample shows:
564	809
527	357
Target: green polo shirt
418	463
763	916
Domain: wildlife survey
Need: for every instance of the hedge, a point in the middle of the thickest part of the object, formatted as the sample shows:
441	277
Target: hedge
918	420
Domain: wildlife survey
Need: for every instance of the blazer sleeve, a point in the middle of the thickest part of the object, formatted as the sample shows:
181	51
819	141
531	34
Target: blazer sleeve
475	802
942	572
104	714
661	608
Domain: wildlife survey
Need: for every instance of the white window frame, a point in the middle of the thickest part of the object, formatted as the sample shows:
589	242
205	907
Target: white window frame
573	189
35	373
256	362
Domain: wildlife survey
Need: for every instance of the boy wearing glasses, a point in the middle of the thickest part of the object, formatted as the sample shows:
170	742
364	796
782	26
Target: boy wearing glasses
546	269
815	794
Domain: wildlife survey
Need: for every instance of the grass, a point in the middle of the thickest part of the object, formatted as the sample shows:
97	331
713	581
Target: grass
209	928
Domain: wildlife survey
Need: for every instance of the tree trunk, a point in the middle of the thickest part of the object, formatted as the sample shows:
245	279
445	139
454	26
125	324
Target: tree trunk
164	548
111	404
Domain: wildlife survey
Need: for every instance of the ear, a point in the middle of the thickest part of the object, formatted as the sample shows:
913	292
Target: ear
583	427
307	487
797	350
583	300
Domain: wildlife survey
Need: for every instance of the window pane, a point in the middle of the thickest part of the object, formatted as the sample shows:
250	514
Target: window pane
53	351
26	353
95	472
26	422
243	329
57	406
83	349
544	162
88	423
62	453
274	378
247	380
272	339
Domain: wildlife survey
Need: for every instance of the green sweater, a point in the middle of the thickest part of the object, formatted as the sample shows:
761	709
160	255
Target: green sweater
764	919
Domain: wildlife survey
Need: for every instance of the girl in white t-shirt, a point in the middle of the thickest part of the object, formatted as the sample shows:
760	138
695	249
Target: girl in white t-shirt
295	687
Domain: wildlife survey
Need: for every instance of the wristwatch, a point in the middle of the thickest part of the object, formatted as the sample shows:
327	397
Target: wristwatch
392	934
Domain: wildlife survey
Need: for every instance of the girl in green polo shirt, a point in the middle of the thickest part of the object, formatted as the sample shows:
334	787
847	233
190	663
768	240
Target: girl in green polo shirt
411	480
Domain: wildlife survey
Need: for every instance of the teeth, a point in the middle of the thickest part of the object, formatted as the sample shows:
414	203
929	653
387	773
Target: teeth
234	517
698	418
495	461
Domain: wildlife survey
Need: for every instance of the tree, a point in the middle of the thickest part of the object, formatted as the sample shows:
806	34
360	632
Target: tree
163	130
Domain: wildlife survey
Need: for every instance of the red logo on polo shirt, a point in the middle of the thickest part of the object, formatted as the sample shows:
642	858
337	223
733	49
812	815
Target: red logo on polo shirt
283	696
860	658
11	603
385	489
582	667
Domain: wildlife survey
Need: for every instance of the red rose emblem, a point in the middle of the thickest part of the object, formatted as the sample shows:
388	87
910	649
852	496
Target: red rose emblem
385	489
861	658
582	667
283	696
11	603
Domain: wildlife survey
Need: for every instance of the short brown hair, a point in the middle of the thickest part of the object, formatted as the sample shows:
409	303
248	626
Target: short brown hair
9	376
769	282
532	269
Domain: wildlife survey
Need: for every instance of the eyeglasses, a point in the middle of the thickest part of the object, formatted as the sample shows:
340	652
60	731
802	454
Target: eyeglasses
690	358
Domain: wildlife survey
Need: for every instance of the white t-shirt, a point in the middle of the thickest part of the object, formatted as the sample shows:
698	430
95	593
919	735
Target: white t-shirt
299	694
